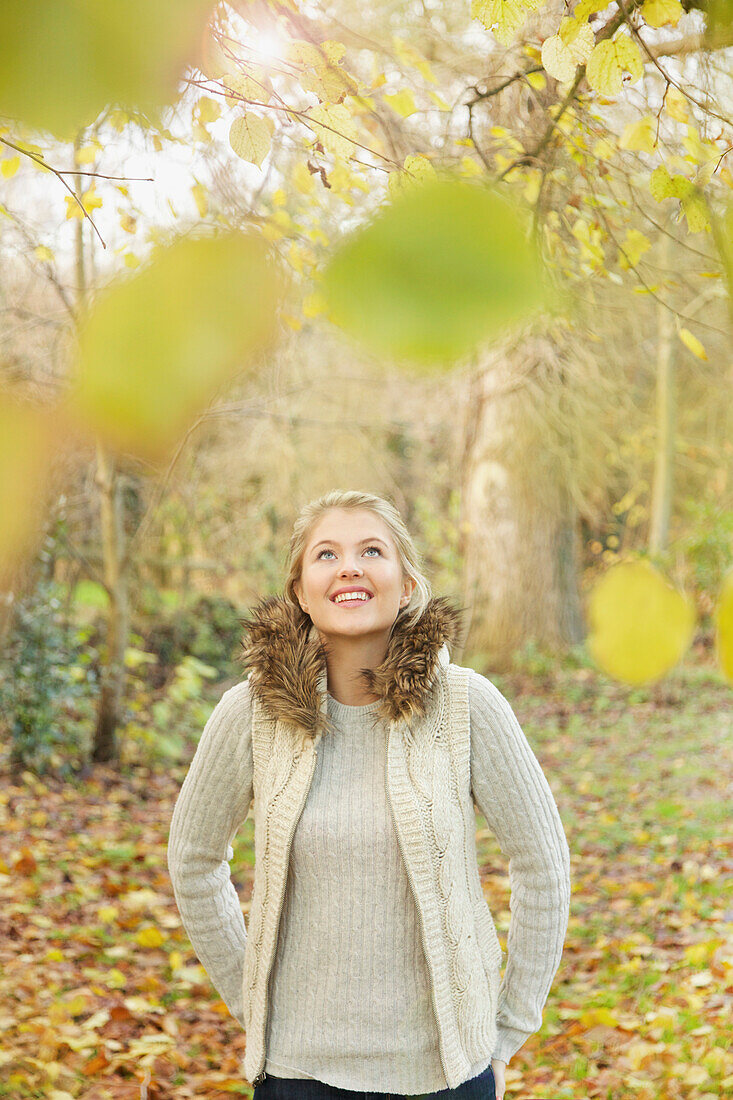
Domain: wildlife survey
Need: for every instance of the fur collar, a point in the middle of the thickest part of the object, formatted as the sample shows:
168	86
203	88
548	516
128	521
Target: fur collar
287	662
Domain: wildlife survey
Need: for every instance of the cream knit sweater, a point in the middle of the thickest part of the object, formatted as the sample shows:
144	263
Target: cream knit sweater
349	995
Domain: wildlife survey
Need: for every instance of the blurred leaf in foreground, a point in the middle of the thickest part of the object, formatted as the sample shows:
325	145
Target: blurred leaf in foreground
61	63
640	626
724	626
442	268
26	441
156	346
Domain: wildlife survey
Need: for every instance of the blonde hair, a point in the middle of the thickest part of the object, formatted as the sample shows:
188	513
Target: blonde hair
409	554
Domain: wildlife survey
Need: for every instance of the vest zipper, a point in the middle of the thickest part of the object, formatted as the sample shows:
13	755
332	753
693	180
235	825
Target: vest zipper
261	1076
417	906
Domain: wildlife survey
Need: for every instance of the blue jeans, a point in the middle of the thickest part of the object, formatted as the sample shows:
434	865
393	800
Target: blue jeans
481	1087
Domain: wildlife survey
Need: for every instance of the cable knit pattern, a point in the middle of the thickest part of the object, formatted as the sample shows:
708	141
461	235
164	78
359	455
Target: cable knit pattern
467	748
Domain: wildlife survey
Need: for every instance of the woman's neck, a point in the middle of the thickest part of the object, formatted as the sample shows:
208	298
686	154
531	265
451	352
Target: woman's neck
345	658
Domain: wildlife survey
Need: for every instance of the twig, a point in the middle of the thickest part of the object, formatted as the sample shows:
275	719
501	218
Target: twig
60	176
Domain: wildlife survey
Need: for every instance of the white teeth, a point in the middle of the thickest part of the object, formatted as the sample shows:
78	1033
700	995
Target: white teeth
351	596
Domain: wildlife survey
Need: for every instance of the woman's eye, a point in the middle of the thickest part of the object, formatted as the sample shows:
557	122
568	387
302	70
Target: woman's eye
327	551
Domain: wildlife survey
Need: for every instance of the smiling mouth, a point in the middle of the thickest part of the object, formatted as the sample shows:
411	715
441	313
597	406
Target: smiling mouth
357	600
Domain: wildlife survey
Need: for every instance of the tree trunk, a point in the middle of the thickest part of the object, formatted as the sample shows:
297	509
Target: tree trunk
109	712
521	542
104	746
662	489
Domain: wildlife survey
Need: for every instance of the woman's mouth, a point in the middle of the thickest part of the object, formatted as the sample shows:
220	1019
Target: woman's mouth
351	599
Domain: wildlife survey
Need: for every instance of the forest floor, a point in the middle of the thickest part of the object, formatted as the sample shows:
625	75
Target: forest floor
102	998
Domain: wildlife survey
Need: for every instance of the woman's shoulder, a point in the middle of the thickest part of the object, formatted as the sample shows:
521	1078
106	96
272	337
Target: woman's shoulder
236	701
482	691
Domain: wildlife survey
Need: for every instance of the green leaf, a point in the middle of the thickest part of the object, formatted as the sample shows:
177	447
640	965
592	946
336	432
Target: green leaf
157	344
62	63
443	268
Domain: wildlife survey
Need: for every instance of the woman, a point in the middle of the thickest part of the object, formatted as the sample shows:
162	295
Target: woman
370	962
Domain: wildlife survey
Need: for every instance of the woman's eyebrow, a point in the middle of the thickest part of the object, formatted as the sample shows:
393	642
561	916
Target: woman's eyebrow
332	542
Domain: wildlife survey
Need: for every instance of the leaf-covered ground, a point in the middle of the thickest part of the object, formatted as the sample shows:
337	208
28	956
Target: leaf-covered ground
102	997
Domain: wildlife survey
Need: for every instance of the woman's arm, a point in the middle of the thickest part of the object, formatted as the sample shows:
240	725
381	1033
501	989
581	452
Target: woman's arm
211	806
512	793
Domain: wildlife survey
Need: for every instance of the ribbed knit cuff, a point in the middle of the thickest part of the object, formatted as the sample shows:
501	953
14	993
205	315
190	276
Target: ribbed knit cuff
508	1042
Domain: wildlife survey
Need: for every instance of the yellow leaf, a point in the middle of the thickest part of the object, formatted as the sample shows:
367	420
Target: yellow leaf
470	167
634	246
657	13
603	149
589	7
9	166
415	170
695	1075
41	252
254	87
536	81
503	17
564	51
200	197
303	179
401	102
87	154
676	105
640	1052
640	626
250	137
664	186
408	55
439	101
692	343
91	200
592	1017
131	260
640	135
334	128
314	305
608	62
150	937
207	110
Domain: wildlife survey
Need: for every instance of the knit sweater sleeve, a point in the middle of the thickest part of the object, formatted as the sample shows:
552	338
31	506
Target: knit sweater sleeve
512	793
212	804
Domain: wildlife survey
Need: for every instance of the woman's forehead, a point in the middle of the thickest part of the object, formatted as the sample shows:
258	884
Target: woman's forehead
349	525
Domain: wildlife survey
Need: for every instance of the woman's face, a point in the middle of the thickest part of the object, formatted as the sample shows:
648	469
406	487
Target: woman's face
352	551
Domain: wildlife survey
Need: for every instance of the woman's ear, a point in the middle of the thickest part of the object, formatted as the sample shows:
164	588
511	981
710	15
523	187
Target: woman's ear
408	588
299	596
